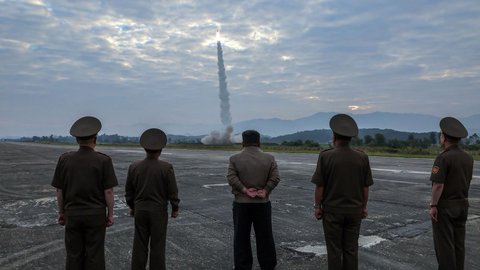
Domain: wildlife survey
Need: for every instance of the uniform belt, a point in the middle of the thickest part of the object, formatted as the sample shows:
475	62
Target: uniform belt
342	210
150	205
85	212
453	203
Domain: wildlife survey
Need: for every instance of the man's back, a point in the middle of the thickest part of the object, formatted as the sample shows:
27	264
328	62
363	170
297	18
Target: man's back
150	184
83	176
84	181
252	175
253	166
344	172
254	169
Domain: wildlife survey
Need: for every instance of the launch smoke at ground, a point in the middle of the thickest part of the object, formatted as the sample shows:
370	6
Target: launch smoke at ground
220	138
225	137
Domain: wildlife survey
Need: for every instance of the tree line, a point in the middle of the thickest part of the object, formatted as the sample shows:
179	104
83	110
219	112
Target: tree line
379	140
103	138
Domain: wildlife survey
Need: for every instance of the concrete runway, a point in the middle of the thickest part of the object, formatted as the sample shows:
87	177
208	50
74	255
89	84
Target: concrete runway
396	235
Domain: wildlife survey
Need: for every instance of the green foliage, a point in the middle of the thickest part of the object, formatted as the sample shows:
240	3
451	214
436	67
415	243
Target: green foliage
472	140
293	143
102	139
379	139
307	143
356	141
368	140
433	137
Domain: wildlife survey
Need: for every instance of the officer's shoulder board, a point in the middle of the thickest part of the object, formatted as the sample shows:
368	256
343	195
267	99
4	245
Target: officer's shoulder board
100	153
326	150
359	150
66	154
443	152
165	163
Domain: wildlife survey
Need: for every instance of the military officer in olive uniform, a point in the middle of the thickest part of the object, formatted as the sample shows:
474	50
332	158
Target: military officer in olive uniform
84	181
150	185
253	175
451	176
342	180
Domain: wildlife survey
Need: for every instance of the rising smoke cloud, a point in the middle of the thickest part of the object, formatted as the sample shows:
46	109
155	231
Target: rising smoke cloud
217	137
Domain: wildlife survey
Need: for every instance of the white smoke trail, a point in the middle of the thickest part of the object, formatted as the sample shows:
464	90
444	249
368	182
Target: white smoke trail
222	84
217	137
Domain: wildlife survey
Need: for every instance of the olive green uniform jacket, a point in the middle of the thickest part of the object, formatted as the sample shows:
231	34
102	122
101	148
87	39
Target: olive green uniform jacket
343	172
454	169
151	184
83	177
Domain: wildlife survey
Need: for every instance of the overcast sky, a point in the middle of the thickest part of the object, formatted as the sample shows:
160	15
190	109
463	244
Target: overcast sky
138	64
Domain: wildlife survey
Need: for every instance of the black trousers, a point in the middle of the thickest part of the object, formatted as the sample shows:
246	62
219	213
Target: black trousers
150	228
449	237
260	215
85	242
341	236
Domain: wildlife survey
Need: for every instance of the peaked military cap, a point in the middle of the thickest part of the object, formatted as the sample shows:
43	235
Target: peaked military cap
453	128
153	139
85	127
344	125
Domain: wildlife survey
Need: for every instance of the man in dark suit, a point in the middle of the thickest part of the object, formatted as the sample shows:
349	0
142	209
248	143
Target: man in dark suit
342	180
451	177
84	181
253	175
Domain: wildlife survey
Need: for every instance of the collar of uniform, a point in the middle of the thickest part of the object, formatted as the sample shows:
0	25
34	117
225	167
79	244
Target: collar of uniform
452	146
343	146
85	148
251	148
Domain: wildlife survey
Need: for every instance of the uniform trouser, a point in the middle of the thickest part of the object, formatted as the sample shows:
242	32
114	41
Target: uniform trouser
341	236
260	214
449	237
85	242
150	227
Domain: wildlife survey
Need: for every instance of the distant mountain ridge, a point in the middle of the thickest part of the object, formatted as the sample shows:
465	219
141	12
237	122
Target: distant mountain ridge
273	127
407	122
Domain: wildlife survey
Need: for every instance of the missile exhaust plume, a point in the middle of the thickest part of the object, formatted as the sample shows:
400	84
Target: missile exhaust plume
216	137
222	82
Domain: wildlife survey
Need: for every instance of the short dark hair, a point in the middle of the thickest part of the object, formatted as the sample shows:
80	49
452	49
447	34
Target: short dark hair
341	137
251	137
153	152
451	139
87	139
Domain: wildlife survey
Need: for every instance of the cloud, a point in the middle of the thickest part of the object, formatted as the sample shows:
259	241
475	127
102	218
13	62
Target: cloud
474	72
359	107
156	61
